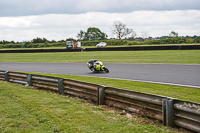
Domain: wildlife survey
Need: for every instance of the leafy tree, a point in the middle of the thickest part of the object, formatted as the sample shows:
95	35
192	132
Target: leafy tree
81	35
61	41
5	42
45	40
121	30
92	34
37	40
70	39
197	40
95	34
53	41
12	42
173	34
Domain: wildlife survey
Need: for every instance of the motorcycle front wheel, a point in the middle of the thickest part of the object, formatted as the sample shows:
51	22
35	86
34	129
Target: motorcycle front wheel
106	70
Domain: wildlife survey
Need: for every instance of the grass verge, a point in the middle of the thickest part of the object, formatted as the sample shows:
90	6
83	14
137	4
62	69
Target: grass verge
23	109
160	56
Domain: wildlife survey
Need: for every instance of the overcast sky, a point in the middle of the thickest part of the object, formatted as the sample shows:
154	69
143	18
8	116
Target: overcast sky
23	20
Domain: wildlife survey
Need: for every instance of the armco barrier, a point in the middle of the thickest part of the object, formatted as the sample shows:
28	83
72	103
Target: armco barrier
20	78
135	48
46	82
2	75
81	89
137	102
187	115
141	48
39	50
172	112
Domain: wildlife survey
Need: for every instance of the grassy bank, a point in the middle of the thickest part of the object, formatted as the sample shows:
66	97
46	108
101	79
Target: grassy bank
23	109
160	56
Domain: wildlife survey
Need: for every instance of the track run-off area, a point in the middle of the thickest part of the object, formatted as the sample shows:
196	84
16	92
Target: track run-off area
187	75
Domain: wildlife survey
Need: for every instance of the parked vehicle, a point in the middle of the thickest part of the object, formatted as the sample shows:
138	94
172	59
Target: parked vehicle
101	44
97	66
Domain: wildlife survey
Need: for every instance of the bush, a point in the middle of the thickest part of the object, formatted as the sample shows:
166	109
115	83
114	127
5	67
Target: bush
197	40
189	40
133	43
2	46
41	45
176	40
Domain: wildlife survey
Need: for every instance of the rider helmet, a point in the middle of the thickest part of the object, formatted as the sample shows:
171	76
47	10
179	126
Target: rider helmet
91	60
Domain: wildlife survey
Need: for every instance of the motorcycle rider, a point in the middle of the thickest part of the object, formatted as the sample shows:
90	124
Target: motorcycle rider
96	66
91	62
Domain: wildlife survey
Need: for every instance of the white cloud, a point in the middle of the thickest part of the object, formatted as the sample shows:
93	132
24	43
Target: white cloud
40	7
62	26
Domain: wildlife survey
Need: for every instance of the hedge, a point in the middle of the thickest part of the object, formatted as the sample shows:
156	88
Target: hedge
177	40
33	45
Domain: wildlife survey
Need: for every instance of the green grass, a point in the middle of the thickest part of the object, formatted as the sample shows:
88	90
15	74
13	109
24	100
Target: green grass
181	93
158	56
23	109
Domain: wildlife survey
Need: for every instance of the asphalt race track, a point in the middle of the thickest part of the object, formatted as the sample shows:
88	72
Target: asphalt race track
174	74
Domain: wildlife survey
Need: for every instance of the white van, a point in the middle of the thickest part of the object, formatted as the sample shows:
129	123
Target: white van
101	44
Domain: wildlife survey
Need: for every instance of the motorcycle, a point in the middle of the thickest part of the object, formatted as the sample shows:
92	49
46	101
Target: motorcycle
97	66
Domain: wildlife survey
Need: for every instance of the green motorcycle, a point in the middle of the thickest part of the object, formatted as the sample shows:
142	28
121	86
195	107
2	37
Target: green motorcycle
97	66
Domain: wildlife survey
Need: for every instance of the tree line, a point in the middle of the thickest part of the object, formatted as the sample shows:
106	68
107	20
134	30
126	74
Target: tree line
171	40
35	40
33	45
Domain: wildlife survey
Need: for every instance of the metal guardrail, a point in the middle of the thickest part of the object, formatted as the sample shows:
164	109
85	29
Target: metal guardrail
172	112
81	89
20	78
187	115
141	103
39	50
45	82
2	75
140	48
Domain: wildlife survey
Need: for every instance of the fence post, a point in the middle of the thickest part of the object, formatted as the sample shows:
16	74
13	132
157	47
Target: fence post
169	113
29	80
164	111
60	86
100	97
6	76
